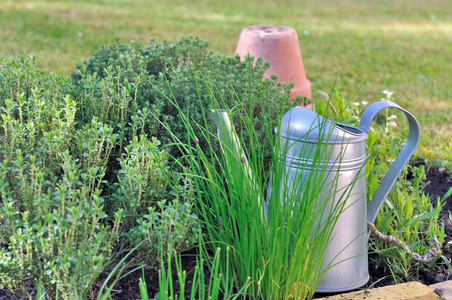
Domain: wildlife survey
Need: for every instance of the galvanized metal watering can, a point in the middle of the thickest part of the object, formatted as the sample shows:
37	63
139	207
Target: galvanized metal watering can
347	251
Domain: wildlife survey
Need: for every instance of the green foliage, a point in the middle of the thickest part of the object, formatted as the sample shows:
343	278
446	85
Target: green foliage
200	289
137	81
73	189
11	270
51	205
172	227
105	291
409	215
142	178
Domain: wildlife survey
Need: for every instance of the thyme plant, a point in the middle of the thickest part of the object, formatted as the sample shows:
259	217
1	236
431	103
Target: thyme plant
51	205
143	76
74	190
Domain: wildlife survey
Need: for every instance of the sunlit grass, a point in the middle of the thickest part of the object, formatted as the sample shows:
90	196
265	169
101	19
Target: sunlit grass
400	45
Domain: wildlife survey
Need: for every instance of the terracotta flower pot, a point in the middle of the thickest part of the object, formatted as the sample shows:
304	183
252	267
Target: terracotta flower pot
280	47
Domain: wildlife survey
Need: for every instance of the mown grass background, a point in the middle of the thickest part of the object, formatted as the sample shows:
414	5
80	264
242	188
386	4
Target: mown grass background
364	46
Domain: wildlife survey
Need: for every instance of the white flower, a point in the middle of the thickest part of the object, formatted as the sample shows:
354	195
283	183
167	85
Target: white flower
388	93
80	34
306	32
356	103
355	117
390	160
392	117
364	102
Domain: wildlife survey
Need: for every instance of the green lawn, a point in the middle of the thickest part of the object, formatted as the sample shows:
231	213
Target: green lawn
403	46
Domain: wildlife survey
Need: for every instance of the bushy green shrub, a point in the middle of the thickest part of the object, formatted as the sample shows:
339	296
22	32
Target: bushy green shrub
143	178
137	91
59	173
409	215
172	226
162	218
51	209
145	77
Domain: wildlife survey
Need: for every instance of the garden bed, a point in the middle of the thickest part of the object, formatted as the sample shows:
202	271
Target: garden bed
127	289
119	171
440	182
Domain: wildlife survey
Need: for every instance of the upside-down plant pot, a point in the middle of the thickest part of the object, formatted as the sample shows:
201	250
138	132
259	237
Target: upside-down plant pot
280	47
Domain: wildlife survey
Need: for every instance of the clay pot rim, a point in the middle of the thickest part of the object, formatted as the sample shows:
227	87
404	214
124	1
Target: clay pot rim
269	31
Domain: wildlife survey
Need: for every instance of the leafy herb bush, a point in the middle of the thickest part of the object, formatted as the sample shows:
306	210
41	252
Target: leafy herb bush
51	210
71	186
408	214
155	201
411	217
148	74
126	87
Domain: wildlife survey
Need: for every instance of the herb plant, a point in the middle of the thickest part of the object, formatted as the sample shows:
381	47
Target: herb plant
216	286
51	205
279	253
75	189
138	79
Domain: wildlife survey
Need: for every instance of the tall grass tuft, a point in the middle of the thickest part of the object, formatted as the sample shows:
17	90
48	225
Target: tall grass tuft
280	251
203	286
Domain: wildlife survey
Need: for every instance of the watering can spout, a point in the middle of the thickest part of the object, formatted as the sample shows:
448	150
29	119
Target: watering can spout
225	129
223	123
231	141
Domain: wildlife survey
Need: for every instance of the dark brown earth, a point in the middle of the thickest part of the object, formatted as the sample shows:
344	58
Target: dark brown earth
438	183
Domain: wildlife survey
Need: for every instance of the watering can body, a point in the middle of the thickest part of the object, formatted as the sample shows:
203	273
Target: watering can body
302	131
345	258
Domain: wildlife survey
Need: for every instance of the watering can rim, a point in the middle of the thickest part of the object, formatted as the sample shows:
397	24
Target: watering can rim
297	124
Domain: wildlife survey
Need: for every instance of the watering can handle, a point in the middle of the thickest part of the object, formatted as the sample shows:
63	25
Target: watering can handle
401	160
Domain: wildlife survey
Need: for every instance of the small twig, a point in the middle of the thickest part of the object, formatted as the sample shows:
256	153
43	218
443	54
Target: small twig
425	185
392	240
